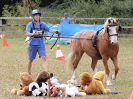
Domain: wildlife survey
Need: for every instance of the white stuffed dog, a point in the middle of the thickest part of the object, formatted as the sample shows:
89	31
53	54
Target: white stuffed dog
71	90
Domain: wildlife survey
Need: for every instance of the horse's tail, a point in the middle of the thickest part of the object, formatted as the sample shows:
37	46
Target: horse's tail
75	55
71	58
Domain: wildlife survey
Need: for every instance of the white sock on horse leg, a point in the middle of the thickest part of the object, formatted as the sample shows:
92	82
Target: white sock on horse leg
73	75
113	76
95	70
108	81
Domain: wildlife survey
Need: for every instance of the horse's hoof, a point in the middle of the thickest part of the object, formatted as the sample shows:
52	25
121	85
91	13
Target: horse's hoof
113	77
108	83
95	70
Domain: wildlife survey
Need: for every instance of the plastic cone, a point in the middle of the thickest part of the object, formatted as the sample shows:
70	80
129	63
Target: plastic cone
131	96
59	54
4	41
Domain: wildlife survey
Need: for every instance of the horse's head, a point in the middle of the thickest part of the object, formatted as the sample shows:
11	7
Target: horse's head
113	26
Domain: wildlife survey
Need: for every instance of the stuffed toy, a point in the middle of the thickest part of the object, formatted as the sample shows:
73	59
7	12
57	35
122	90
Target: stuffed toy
56	91
66	90
93	84
44	85
54	81
41	86
72	90
26	79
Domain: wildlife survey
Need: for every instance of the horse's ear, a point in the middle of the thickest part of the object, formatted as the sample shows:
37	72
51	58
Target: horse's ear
120	28
117	20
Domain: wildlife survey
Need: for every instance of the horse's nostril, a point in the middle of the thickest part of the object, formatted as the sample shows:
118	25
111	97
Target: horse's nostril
113	43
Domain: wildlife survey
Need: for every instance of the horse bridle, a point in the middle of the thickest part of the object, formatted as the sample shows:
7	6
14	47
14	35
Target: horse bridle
108	30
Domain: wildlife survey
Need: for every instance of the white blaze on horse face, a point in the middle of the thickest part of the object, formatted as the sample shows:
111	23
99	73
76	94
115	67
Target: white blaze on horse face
113	32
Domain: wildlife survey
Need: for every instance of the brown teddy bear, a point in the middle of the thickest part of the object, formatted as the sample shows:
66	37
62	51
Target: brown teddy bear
93	84
26	79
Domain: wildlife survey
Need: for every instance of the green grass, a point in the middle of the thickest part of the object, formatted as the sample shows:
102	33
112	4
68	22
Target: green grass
13	60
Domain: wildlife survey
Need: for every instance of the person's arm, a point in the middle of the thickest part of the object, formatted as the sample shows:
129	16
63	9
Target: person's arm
27	30
50	30
71	21
54	31
28	34
36	34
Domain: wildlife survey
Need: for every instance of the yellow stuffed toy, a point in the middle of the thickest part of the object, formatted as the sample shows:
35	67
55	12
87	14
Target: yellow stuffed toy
93	84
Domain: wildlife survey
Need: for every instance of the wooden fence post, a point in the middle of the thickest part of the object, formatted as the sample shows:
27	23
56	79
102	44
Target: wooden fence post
0	26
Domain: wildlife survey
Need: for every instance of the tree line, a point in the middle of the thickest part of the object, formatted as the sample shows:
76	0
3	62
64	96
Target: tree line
76	8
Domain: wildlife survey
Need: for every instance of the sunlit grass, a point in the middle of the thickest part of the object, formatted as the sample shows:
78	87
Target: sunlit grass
13	60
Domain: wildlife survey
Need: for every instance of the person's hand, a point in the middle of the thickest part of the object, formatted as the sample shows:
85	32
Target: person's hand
36	34
57	32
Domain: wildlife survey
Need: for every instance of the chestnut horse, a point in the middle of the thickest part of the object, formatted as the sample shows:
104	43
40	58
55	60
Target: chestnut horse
107	46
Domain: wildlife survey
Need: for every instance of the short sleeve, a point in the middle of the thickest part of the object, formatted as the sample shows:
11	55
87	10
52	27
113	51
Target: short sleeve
28	27
45	27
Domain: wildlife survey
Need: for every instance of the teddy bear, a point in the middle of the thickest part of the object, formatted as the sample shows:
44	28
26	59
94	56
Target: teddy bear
93	84
26	79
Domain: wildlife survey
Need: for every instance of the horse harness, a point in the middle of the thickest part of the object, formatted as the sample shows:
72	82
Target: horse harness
94	43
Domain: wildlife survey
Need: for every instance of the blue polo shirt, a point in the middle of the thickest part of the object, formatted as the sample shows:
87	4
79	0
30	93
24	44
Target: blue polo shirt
29	28
66	21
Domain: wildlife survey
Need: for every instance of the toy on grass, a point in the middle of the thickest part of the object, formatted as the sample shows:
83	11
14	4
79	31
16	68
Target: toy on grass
93	84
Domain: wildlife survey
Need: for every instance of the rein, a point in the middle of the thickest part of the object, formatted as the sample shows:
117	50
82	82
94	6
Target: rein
55	41
58	37
68	37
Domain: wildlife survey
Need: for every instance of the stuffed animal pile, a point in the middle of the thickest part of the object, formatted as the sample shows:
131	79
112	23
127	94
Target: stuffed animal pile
48	85
93	84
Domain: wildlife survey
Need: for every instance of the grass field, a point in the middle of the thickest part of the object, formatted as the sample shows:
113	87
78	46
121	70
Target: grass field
13	60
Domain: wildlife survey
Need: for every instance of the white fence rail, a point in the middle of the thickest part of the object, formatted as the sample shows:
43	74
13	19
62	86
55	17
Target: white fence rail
52	18
57	18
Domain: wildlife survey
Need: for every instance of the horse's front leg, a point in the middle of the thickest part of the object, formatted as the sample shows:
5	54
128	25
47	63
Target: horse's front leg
115	62
105	62
73	75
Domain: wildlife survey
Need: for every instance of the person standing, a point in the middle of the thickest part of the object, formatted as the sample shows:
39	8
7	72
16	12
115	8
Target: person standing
66	19
34	30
